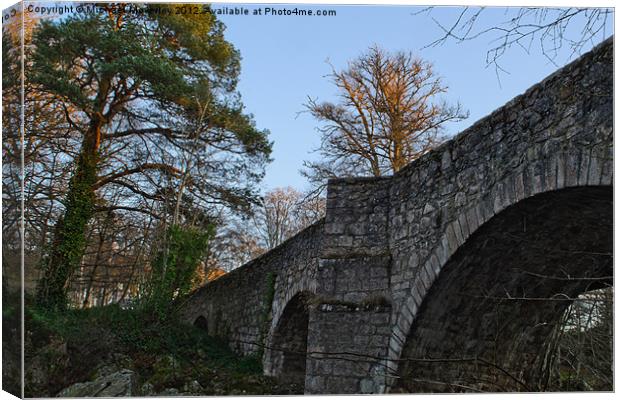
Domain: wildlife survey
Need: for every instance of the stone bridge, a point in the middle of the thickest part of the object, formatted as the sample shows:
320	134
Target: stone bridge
451	274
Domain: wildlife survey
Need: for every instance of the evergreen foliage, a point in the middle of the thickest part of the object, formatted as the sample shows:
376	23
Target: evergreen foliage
150	98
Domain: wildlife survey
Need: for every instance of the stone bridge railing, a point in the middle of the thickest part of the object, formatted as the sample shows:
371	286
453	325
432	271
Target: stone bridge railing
395	272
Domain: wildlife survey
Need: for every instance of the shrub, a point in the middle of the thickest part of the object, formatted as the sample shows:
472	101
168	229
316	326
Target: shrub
174	268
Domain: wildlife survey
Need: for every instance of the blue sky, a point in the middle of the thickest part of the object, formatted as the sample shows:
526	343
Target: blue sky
284	61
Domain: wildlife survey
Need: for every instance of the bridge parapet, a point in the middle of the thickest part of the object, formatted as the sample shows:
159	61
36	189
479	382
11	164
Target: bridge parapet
356	219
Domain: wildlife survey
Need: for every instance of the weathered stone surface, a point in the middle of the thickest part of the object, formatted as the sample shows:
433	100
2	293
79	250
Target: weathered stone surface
170	392
344	343
115	384
352	293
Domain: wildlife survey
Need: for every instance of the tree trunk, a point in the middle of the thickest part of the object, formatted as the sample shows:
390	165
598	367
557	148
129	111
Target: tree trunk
69	238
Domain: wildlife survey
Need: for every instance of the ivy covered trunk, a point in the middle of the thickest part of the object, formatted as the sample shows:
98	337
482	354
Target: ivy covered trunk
69	241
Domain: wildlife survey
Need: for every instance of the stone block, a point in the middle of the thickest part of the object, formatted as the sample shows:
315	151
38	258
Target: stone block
594	171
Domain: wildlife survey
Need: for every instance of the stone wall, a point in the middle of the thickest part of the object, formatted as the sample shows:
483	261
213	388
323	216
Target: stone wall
356	220
353	285
350	322
345	343
241	305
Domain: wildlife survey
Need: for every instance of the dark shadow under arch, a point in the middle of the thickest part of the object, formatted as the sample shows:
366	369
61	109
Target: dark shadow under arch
286	357
201	323
485	324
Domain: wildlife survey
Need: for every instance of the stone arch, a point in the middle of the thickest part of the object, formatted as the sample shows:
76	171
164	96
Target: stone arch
285	355
477	308
201	323
553	169
287	285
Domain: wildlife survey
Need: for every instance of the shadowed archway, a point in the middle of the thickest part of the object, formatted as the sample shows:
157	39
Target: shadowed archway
286	355
201	323
487	320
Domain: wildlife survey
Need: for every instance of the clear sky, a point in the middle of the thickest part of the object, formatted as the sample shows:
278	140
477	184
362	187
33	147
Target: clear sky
284	61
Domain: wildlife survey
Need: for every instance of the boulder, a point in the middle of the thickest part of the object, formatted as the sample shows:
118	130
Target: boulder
148	389
115	384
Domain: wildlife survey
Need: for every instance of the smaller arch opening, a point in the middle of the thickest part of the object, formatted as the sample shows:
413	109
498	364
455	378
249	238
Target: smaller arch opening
201	323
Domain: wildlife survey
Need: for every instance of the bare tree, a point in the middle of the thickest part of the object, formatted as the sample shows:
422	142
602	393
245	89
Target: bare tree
388	114
546	28
275	218
283	213
234	245
583	344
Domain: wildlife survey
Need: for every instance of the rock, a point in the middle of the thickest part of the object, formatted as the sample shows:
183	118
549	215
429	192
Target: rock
366	386
116	384
192	387
148	389
169	392
76	390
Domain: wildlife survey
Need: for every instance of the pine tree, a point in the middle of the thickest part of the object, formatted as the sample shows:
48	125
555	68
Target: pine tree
131	78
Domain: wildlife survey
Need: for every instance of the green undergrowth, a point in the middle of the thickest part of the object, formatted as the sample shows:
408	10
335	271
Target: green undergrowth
164	353
11	342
